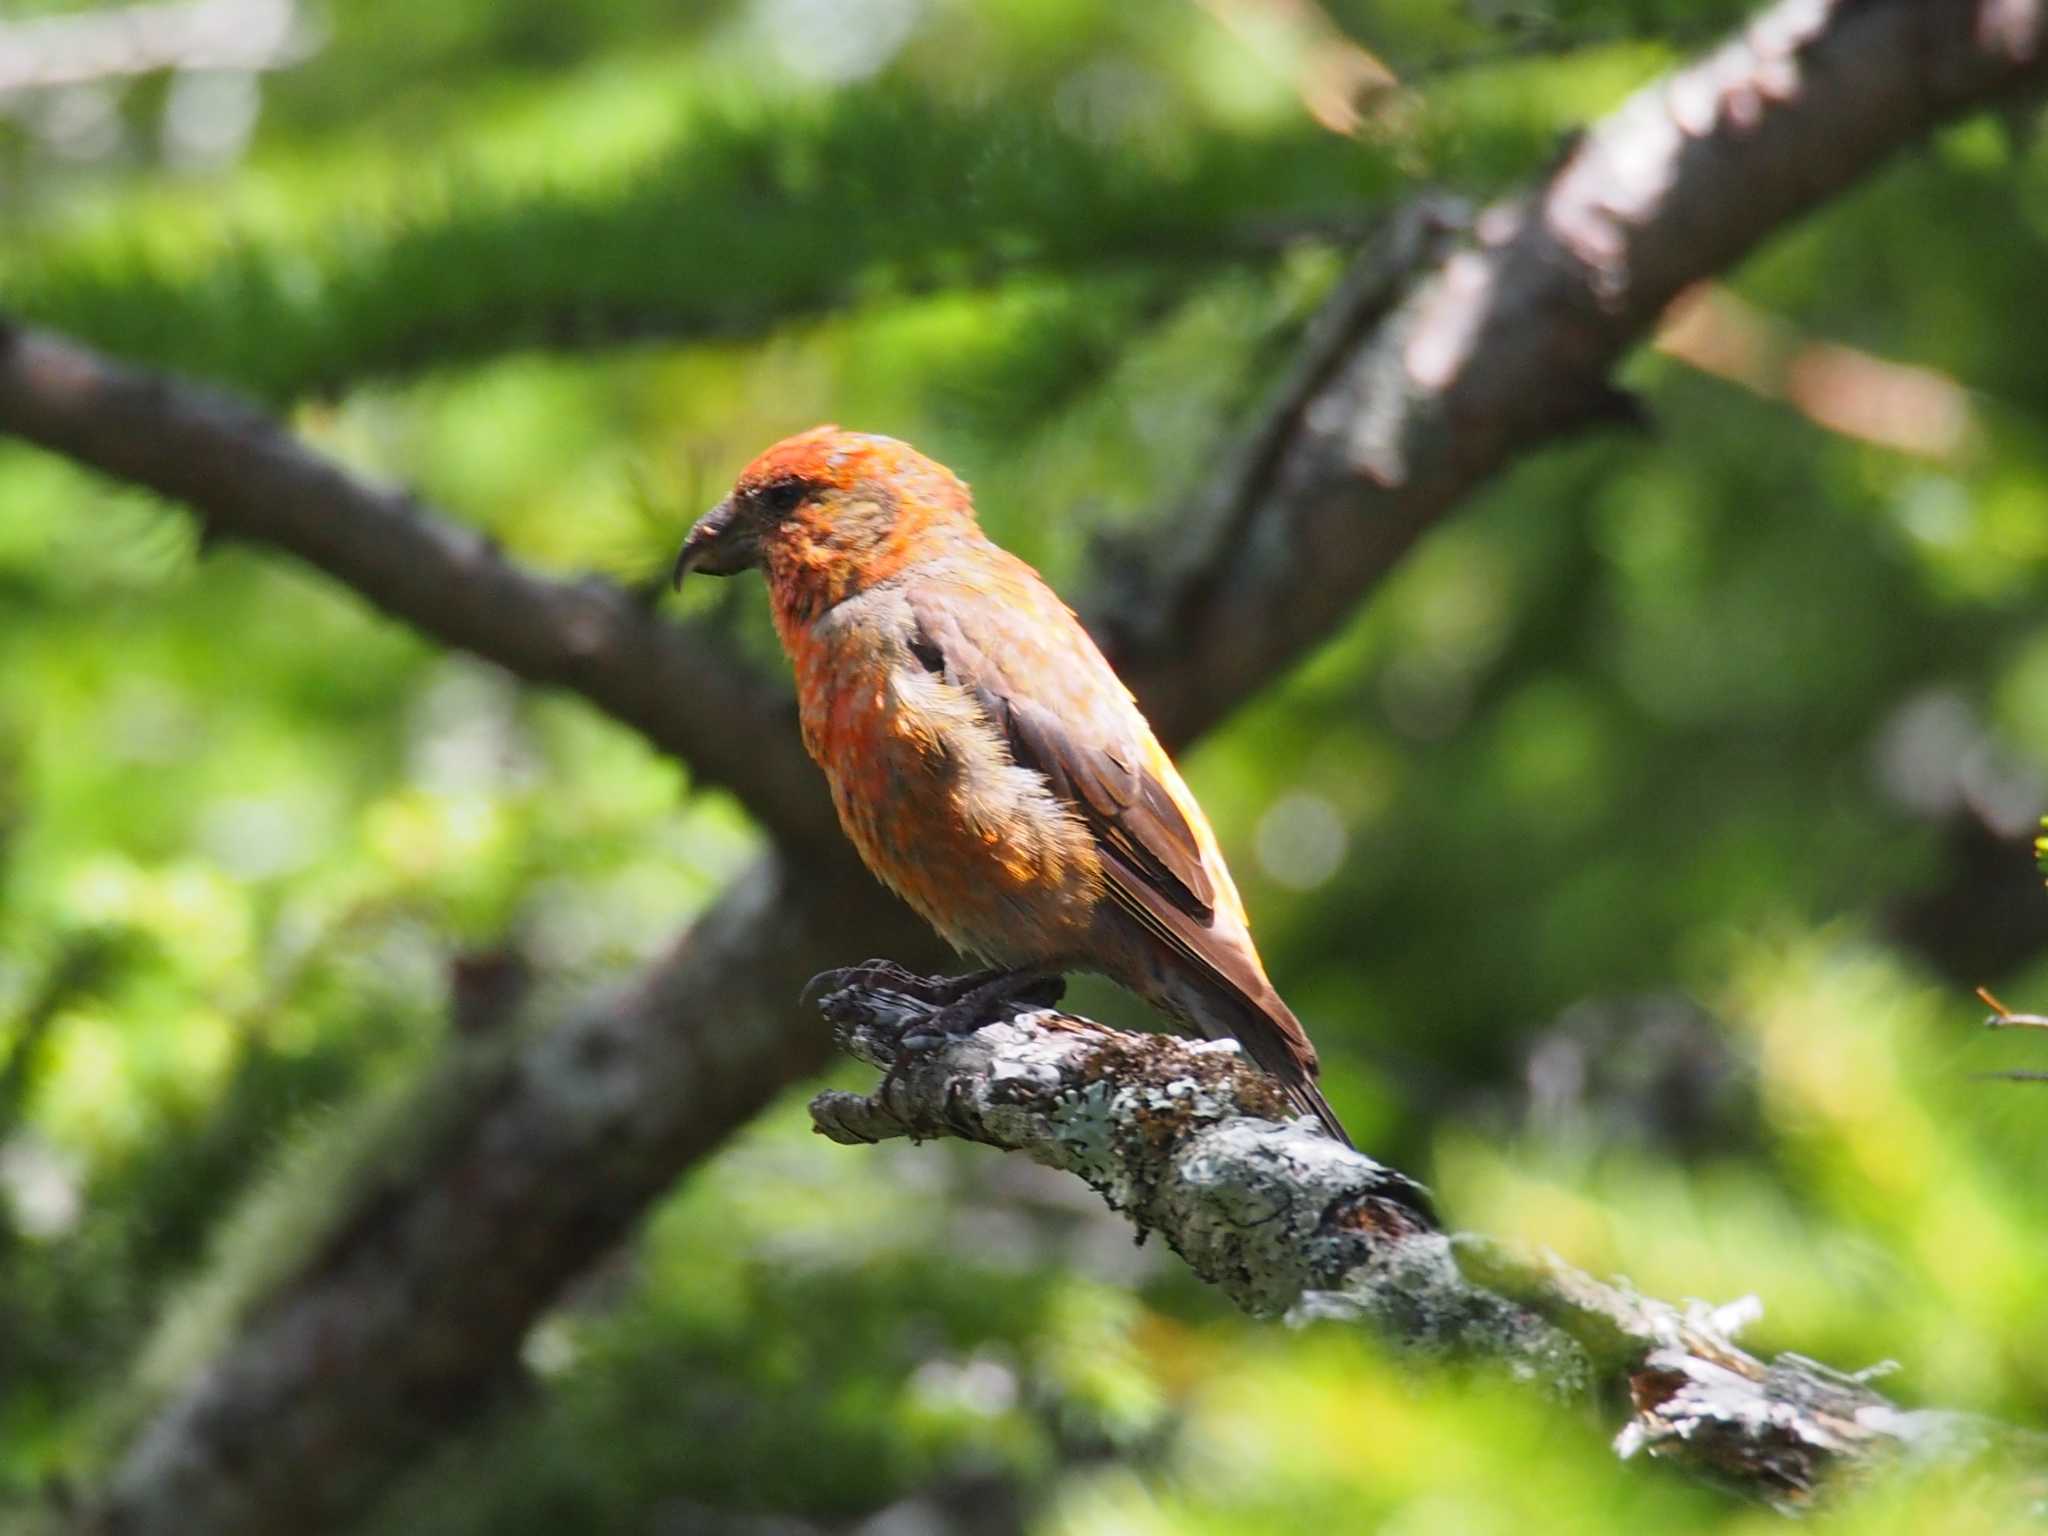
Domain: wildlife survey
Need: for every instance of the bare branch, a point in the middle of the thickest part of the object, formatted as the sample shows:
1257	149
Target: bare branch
1400	410
1507	343
1919	411
249	478
1191	1142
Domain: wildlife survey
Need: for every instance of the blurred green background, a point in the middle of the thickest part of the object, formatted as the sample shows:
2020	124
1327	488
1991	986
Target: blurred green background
1631	855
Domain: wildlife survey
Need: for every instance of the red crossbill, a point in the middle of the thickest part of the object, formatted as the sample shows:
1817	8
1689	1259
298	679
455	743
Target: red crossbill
986	761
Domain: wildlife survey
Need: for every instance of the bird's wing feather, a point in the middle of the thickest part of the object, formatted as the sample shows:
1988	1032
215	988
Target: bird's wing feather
1003	637
1074	722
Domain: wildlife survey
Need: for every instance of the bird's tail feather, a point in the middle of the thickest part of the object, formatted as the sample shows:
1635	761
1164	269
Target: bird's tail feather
1307	1096
1216	985
1274	1039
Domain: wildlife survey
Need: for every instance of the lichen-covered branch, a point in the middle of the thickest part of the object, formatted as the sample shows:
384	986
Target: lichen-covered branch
1191	1142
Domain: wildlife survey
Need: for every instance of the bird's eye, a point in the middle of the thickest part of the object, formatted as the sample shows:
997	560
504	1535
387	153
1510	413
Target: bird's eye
781	497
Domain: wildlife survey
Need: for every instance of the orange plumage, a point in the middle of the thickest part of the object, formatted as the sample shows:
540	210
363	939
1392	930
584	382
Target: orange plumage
985	760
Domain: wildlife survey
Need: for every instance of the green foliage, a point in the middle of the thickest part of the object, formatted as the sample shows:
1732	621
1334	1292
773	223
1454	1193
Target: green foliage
1627	855
749	215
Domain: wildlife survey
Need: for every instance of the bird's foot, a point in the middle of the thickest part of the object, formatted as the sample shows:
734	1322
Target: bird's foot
883	976
986	997
951	1006
983	997
888	976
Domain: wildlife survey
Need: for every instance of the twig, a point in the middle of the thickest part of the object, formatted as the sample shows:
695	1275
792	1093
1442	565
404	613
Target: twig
2003	1017
81	967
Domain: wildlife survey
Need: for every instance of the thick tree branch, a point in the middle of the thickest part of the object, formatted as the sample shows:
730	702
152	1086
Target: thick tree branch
1193	1143
522	1173
1410	395
1508	342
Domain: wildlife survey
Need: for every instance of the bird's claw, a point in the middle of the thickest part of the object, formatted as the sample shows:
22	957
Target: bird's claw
887	976
981	999
959	1005
884	975
989	1000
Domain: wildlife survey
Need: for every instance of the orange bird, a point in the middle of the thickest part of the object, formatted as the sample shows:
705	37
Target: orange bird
989	765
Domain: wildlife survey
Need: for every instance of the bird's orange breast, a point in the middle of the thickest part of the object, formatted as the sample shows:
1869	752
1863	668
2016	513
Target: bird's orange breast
928	794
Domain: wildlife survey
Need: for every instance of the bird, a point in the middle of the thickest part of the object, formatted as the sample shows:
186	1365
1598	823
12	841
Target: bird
984	758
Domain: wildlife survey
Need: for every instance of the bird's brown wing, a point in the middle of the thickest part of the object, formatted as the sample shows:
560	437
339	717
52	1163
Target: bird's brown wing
1007	640
1045	687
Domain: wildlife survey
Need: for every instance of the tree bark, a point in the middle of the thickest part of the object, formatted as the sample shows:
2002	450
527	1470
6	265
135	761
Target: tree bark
1508	342
1194	1144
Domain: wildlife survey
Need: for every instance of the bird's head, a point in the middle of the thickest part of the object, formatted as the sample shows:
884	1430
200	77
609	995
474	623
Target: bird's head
828	513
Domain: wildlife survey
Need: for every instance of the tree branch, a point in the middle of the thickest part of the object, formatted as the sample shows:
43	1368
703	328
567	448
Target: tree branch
518	1172
1408	398
249	478
1508	342
1190	1141
578	320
